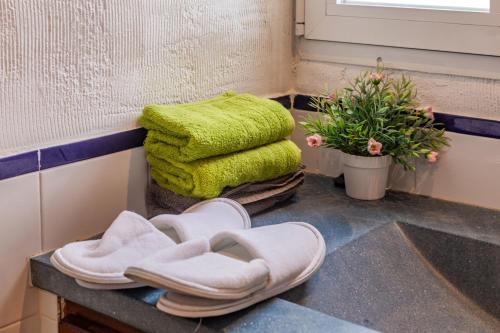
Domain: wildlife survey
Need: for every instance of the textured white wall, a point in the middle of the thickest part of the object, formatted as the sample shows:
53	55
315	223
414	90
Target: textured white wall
76	68
460	95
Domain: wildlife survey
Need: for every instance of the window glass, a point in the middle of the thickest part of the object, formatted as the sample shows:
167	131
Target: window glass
464	5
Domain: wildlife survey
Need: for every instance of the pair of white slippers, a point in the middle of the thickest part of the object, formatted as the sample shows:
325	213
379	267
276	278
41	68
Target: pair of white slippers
208	258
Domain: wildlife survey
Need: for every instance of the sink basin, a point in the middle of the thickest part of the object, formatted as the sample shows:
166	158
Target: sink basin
400	277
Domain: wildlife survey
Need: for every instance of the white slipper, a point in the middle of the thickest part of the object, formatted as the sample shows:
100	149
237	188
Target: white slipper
234	270
100	264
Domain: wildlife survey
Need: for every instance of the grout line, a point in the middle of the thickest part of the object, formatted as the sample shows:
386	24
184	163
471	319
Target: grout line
39	156
40	199
47	317
20	320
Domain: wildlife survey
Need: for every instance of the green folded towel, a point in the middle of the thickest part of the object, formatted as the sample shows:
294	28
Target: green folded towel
217	126
206	178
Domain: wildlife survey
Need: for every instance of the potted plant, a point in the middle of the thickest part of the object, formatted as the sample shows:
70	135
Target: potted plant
374	121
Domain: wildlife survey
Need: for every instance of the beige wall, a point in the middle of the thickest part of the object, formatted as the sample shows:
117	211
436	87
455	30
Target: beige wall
461	84
454	94
79	68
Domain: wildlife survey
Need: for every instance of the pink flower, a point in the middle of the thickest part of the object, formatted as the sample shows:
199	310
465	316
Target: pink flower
314	141
428	112
432	157
376	77
374	147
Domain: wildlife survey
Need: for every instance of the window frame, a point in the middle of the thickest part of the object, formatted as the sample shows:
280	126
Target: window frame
415	28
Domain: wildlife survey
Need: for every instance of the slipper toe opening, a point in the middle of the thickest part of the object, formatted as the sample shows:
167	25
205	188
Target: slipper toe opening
203	219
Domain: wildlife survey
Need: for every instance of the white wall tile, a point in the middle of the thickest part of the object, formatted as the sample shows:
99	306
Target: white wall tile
466	172
310	156
48	325
28	325
138	181
330	162
81	199
19	239
402	180
47	304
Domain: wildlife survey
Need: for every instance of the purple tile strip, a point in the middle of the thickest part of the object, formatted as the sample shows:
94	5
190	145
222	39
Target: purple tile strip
301	102
78	151
20	164
452	123
284	100
83	150
17	165
468	125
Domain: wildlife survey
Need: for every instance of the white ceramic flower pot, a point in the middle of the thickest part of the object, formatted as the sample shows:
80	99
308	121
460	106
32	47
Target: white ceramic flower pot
366	177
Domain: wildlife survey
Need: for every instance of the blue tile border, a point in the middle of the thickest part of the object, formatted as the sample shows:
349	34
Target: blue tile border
17	165
451	123
286	101
468	125
27	162
83	150
301	102
51	157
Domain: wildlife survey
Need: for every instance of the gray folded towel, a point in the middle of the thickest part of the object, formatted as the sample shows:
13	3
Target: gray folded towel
255	197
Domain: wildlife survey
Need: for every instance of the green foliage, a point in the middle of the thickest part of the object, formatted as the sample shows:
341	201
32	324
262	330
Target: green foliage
376	106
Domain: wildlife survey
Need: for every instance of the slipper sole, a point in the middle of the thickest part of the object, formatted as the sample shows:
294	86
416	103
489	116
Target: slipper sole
109	286
157	281
58	262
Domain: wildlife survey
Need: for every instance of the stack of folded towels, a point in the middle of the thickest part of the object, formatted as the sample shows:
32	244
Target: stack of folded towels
230	146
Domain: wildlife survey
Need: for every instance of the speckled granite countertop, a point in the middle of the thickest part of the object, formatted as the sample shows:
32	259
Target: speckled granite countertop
315	306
